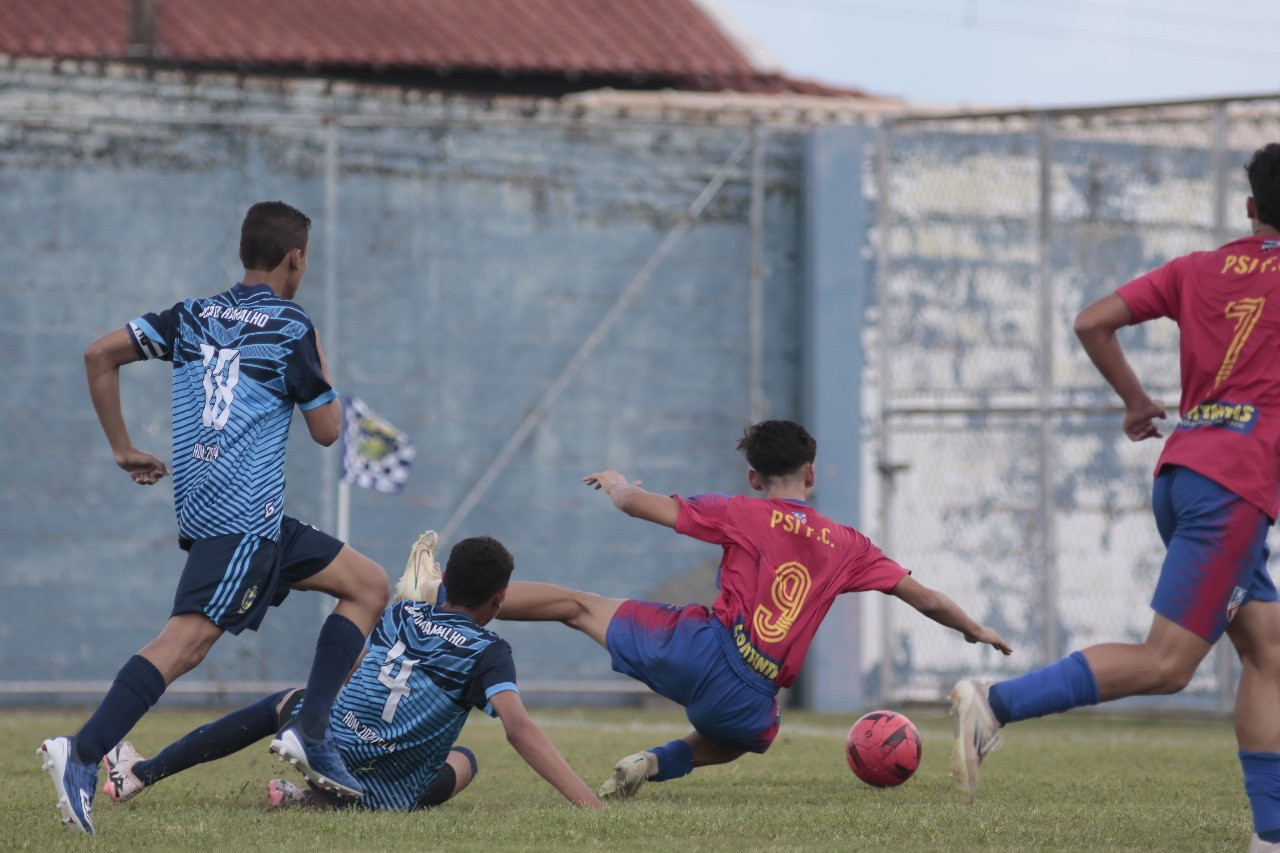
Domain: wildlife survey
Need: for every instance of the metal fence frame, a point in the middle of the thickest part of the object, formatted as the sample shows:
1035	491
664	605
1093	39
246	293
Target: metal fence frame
1051	403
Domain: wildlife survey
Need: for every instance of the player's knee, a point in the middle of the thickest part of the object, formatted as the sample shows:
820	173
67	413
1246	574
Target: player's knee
1171	675
465	767
368	584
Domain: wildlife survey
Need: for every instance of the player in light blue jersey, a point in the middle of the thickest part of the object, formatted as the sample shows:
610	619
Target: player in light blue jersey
242	360
398	718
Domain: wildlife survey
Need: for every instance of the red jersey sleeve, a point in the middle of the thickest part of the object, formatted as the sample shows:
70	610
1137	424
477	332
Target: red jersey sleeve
871	569
703	517
1154	294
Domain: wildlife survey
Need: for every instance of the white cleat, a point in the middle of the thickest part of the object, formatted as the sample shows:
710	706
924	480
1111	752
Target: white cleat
628	775
977	734
421	578
121	785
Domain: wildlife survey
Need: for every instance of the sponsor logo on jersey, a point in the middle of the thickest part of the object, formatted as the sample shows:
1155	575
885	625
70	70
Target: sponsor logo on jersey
1270	245
250	595
270	509
228	314
1237	417
753	657
367	734
206	452
1237	599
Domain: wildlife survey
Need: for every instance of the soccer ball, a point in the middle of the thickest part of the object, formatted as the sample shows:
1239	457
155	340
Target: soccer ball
883	749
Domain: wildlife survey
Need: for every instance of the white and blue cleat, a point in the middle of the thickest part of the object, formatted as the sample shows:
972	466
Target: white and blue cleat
74	782
319	763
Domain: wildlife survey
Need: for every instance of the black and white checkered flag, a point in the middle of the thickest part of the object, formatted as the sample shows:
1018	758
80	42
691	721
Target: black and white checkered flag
375	455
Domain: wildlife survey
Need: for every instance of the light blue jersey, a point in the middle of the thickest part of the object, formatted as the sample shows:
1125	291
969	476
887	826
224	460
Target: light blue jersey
400	714
241	361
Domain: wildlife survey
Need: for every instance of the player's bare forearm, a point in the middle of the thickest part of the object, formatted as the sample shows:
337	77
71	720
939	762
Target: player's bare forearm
634	500
941	609
1096	328
533	745
102	362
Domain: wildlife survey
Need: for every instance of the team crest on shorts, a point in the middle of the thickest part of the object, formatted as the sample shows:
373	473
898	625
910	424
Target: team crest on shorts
251	594
1237	598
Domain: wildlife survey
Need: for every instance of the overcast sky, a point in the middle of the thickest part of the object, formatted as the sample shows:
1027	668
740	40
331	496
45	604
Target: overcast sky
1023	52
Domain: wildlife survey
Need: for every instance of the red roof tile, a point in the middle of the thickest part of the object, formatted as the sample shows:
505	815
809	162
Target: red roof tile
621	38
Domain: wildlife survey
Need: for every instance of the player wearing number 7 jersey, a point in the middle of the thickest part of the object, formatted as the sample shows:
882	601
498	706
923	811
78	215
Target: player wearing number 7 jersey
1214	497
242	360
783	564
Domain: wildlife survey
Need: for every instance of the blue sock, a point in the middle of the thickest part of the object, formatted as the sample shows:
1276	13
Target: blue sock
232	733
675	759
1262	786
1060	686
137	687
339	646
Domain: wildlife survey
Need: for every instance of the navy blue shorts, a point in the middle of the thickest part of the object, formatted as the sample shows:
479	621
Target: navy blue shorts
234	579
676	652
1217	552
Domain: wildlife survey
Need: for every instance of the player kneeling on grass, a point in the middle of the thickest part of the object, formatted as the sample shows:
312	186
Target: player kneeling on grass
783	565
397	718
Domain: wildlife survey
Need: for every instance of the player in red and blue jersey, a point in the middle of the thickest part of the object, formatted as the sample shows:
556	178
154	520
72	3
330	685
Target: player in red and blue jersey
242	360
783	564
1215	494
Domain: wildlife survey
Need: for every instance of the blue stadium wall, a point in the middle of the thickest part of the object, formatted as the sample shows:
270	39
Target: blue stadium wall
462	254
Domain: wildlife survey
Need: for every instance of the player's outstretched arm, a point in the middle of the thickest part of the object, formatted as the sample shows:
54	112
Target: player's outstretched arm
634	500
946	612
102	362
539	752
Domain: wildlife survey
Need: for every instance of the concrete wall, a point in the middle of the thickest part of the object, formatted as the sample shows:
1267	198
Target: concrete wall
461	254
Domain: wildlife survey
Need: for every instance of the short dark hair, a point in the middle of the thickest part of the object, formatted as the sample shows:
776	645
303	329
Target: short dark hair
1263	170
477	569
777	448
271	229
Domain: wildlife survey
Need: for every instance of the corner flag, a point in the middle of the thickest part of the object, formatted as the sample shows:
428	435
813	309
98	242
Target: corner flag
375	455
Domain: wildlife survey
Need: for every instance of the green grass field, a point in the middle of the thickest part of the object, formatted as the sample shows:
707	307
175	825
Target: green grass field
1075	782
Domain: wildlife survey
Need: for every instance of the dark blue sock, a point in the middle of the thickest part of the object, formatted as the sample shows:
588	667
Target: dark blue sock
1262	786
137	687
1060	686
339	646
675	759
232	733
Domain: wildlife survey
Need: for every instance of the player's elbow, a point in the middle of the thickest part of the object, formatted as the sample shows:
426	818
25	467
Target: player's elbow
325	424
1102	318
97	357
520	733
325	437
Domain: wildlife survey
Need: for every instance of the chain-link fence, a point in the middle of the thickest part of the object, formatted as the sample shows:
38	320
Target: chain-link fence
1004	478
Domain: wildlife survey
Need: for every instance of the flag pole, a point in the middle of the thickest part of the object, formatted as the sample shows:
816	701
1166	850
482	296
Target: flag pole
343	531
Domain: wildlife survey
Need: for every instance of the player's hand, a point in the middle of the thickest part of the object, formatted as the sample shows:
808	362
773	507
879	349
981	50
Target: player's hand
991	638
1139	420
606	480
145	469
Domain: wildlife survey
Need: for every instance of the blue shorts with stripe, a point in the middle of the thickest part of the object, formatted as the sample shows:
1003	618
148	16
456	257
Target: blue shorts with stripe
680	654
1217	552
234	579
